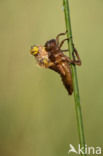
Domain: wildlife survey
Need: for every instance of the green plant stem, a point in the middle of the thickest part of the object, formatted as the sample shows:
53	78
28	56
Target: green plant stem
74	76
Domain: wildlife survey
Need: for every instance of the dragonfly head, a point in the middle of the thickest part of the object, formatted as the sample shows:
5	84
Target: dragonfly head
34	50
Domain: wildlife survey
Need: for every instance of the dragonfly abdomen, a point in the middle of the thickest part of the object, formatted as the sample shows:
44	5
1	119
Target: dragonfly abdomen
67	78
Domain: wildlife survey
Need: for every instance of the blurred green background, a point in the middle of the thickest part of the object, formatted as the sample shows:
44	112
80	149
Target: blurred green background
37	117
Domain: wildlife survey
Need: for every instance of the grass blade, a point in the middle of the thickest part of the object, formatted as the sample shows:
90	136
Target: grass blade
74	76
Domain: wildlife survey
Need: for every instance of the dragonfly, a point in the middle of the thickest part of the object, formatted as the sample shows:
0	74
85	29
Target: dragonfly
51	56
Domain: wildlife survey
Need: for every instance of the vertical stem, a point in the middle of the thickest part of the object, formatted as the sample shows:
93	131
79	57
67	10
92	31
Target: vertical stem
74	76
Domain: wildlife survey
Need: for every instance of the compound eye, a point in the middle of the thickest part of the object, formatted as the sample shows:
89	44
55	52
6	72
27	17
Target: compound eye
34	50
48	46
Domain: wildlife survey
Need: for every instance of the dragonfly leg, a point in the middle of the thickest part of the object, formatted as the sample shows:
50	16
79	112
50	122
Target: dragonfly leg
66	50
75	53
57	38
62	42
70	61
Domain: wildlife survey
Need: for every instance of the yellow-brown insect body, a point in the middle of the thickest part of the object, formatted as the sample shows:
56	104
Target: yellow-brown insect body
51	56
67	78
64	69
